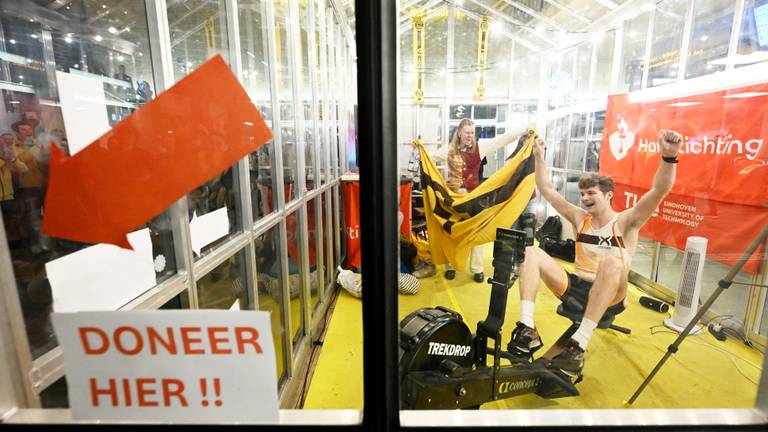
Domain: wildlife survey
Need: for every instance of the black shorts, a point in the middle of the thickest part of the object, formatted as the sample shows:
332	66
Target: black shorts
578	290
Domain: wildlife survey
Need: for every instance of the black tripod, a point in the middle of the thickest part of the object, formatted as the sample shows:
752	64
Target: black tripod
721	285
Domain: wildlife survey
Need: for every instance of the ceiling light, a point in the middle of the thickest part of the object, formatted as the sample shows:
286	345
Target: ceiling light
648	7
128	29
745	95
67	39
189	64
683	104
103	6
34	36
597	37
705	37
496	26
12	41
112	30
540	29
120	58
21	76
98	38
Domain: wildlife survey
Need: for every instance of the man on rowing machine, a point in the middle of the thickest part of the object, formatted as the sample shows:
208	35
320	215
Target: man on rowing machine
605	244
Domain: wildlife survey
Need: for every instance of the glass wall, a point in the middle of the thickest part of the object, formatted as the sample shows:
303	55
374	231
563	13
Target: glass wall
265	255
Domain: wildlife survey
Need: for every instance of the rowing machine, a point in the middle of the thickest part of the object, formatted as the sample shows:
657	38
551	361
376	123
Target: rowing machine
444	366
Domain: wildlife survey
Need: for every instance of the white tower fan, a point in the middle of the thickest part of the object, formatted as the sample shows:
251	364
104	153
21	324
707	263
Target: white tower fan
689	288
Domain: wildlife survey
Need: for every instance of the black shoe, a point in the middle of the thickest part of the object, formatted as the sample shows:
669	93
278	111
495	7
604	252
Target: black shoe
479	277
450	274
570	361
525	341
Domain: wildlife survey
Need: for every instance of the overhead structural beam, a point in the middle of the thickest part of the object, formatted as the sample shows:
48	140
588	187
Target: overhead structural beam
408	23
569	11
608	3
426	7
511	20
550	22
524	42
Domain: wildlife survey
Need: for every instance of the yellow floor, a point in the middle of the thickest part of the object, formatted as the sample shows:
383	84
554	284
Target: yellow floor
700	375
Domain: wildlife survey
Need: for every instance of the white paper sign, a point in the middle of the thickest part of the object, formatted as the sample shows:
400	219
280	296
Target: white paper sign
102	277
84	109
184	366
208	228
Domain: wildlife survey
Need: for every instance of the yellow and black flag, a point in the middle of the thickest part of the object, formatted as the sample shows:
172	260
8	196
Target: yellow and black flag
457	222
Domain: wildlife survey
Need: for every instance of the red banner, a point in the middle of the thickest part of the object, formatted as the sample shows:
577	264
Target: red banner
351	190
720	190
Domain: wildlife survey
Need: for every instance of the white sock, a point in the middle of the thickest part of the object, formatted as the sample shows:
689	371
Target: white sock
584	332
526	313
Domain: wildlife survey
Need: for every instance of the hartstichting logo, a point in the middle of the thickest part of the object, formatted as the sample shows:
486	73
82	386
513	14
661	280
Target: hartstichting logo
622	140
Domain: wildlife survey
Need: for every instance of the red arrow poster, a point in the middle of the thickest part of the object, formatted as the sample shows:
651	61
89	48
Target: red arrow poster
199	127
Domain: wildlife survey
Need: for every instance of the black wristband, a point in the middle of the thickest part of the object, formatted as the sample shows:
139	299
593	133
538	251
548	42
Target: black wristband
669	159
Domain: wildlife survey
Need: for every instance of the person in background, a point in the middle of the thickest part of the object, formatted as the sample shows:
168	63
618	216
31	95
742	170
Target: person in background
605	244
465	155
9	164
30	183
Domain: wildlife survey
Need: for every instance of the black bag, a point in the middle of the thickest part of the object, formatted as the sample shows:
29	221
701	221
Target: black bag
552	228
556	248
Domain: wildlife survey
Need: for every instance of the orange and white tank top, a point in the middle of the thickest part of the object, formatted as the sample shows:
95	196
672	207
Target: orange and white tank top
592	244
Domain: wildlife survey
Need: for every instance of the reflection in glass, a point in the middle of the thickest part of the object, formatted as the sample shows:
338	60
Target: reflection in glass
711	34
327	239
633	52
572	191
306	97
668	25
295	276
602	78
577	142
224	285
284	79
117	62
525	74
753	40
253	39
198	32
269	280
464	57
436	41
643	259
315	252
583	67
730	302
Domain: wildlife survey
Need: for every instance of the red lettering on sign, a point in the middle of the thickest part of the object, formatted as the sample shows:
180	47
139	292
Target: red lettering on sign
119	340
96	392
154	337
215	349
188	340
143	391
87	347
177	391
247	335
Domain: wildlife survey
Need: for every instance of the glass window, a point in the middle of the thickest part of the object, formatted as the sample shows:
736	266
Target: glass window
525	72
712	22
407	72
594	139
38	58
497	67
464	56
583	66
577	142
316	268
327	238
753	38
601	81
561	83
284	68
322	107
253	40
730	302
55	395
558	142
668	25
643	260
763	329
306	97
225	285
436	41
295	276
633	53
269	279
198	32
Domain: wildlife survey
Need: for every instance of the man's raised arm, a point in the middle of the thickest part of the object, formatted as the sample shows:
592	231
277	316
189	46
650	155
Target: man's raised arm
669	141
